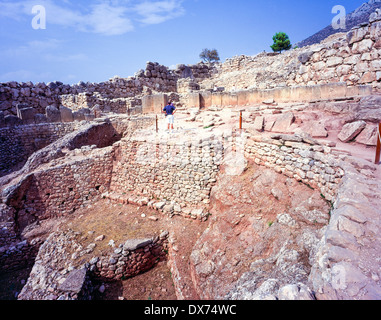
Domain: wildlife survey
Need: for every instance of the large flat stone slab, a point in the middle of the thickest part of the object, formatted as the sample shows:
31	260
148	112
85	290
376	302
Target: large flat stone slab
351	130
283	123
368	136
134	244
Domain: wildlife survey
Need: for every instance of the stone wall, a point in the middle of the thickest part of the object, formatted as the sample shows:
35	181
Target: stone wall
97	102
73	281
249	97
187	85
172	176
115	95
57	180
19	255
197	72
19	142
347	265
353	59
63	188
309	163
131	258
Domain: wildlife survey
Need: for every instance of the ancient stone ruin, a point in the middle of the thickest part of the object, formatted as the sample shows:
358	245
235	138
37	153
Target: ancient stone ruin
266	189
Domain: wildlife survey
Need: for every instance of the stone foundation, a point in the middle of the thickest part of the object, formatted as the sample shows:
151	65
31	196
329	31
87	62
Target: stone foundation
18	143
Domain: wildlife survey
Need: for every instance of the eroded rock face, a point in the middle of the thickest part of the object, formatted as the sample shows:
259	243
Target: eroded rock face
264	226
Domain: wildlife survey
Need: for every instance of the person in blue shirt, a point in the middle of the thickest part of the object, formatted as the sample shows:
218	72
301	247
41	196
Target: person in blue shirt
170	111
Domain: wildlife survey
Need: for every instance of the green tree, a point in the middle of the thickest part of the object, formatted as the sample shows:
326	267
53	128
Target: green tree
281	42
209	55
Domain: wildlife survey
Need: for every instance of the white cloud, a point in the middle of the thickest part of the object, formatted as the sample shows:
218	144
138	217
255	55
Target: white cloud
106	17
108	20
154	12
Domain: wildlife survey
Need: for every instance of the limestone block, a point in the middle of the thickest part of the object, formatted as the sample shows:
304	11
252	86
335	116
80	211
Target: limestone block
283	123
259	123
205	99
40	118
333	90
217	99
356	34
368	136
132	245
361	67
194	100
284	95
229	99
368	77
343	70
269	101
351	131
318	66
375	16
89	117
147	102
334	61
154	103
375	65
66	114
295	292
78	116
362	46
316	129
159	101
27	115
248	97
375	30
305	57
53	114
353	59
74	282
20	106
269	124
11	121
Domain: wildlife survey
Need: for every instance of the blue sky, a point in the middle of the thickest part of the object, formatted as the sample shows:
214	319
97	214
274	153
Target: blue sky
96	40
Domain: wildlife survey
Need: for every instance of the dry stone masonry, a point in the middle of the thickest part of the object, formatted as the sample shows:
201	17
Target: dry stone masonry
353	58
179	175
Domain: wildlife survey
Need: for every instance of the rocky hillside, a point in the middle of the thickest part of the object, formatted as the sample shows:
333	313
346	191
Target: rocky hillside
355	18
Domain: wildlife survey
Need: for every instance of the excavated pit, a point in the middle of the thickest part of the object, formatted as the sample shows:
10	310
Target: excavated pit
256	222
243	209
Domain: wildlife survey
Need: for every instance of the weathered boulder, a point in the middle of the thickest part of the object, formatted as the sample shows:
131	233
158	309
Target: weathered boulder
351	130
305	57
368	136
74	282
